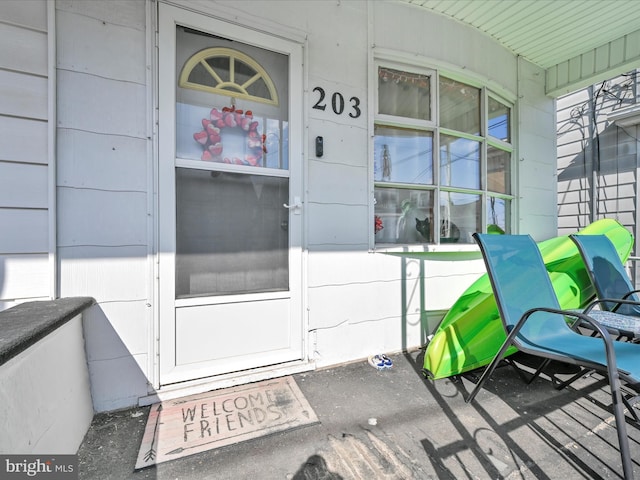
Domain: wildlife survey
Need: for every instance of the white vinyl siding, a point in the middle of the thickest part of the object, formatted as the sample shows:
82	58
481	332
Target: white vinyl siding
25	213
597	160
103	186
356	301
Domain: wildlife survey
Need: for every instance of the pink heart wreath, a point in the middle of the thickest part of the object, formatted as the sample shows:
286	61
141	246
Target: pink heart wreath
210	137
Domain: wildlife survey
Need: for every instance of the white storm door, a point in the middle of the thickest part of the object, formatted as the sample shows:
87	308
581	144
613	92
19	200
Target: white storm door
230	216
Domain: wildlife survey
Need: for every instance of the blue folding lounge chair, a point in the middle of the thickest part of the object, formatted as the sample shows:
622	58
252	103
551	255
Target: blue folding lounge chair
616	296
536	325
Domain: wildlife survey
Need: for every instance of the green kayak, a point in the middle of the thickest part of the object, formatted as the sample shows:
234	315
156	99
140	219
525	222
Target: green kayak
471	332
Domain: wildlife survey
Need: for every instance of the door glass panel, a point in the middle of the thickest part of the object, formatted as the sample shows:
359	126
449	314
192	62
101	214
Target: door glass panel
232	230
228	109
231	233
277	145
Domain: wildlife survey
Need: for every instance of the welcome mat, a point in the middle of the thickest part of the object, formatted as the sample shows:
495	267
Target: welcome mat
193	424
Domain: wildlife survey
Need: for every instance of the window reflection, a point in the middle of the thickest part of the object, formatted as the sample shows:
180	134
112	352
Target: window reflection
404	94
459	162
460	216
499	120
456	165
403	156
406	215
497	214
276	154
459	106
498	170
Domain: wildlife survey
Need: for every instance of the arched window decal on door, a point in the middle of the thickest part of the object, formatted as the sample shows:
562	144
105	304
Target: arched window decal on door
225	71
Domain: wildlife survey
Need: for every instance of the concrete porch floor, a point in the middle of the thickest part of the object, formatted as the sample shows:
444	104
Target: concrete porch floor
423	430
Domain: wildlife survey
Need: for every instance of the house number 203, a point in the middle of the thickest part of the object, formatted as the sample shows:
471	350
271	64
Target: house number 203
337	103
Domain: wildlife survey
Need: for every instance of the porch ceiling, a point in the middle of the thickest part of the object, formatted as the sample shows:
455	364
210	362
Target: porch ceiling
577	42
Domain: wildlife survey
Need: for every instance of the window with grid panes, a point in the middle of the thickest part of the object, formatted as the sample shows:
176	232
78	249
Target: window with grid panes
442	159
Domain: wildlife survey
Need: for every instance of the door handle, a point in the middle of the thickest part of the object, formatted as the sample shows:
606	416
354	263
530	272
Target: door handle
296	207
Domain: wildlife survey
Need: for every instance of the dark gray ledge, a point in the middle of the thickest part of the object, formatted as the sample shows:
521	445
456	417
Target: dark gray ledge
23	325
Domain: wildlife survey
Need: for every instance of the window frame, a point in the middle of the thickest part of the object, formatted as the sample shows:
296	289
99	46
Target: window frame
233	55
486	141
